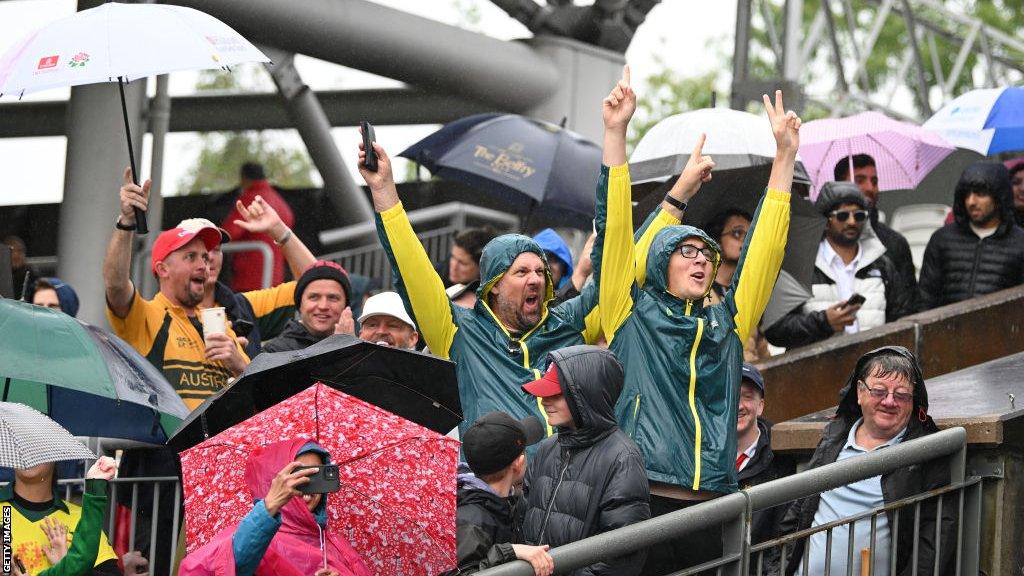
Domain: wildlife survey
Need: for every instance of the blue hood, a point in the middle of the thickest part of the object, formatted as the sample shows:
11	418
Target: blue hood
552	243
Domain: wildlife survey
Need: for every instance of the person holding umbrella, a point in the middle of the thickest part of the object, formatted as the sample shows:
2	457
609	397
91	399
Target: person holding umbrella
683	358
507	335
285	533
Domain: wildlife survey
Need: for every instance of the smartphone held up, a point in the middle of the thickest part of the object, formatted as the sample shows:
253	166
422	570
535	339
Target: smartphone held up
368	139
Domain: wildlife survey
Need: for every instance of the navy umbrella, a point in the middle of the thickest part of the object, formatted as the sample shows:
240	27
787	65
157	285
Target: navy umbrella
537	168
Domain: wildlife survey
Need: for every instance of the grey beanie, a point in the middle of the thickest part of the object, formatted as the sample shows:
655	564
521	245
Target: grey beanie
835	193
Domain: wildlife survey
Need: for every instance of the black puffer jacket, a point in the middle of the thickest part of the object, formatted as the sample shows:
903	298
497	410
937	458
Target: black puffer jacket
765	466
896	485
957	264
293	337
590	480
485	527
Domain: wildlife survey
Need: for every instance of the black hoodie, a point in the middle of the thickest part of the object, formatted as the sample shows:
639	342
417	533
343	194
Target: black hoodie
959	265
896	485
590	480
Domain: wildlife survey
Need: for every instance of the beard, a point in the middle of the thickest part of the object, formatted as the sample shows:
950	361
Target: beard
842	239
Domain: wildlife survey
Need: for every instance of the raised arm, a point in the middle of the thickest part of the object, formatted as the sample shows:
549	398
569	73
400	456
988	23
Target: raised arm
761	257
117	265
260	217
415	278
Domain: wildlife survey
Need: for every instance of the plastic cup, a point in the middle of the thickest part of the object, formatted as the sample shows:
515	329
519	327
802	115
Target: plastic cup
213	320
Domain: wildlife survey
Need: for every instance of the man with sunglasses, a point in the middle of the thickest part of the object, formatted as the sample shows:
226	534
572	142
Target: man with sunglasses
883	403
851	260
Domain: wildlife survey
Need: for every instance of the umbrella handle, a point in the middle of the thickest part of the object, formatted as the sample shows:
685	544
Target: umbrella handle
141	227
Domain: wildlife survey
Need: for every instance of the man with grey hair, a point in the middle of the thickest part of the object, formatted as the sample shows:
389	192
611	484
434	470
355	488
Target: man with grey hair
850	261
883	403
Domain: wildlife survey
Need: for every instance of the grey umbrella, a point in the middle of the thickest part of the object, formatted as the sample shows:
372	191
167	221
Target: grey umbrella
788	295
27	438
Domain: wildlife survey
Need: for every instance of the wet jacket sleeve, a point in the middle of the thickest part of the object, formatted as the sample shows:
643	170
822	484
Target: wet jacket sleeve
476	551
619	265
625	501
416	280
252	537
799	328
760	262
85	544
929	285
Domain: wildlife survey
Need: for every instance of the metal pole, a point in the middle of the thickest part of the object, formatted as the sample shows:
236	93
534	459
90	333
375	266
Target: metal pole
741	54
159	120
415	50
308	116
921	87
791	64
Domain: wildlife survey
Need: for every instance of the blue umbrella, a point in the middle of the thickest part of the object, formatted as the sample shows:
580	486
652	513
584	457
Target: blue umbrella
536	167
988	121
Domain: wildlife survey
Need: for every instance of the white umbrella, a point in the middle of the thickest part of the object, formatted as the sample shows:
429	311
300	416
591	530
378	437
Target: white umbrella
118	43
27	438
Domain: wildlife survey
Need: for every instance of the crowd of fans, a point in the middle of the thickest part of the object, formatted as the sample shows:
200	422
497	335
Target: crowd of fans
632	358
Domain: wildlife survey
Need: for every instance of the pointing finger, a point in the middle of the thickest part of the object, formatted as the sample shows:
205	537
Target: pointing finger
698	149
625	74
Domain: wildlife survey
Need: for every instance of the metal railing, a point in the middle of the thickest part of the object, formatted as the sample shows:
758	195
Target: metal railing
734	513
372	262
158	531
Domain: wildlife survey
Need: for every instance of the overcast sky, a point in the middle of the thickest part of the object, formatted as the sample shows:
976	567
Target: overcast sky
33	168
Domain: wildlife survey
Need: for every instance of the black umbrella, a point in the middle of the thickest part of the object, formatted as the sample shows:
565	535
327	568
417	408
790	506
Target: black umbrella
417	387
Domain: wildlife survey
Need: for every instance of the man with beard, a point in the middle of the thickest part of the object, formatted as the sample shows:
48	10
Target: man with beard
851	260
982	250
865	176
167	330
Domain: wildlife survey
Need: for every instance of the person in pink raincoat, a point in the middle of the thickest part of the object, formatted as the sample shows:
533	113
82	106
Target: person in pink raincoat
285	533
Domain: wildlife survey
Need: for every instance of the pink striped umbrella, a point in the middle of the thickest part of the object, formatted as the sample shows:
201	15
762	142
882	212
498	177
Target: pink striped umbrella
904	153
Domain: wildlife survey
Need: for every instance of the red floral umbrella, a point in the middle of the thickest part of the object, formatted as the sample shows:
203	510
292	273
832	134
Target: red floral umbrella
396	505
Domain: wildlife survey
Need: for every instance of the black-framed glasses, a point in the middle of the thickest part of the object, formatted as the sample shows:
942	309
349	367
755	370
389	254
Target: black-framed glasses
881	394
844	215
690	251
738	233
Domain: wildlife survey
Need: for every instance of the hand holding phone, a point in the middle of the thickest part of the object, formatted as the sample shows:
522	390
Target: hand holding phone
855	300
368	139
323	481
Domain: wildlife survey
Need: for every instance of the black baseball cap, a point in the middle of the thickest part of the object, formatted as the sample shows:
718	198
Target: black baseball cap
496	439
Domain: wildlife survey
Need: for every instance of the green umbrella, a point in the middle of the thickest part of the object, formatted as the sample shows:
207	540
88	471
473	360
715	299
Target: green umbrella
87	380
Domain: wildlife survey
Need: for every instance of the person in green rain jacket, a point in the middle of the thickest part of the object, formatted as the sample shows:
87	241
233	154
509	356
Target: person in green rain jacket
682	358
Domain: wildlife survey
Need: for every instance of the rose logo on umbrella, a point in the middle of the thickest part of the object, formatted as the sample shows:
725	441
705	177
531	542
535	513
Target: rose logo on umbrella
79	60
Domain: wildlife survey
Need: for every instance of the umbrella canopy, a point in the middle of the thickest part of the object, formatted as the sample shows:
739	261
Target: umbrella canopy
88	380
28	437
126	41
534	166
904	153
117	42
396	505
988	121
418	387
787	295
735	139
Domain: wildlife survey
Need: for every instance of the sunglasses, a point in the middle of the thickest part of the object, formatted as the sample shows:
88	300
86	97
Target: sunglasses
690	251
843	215
881	394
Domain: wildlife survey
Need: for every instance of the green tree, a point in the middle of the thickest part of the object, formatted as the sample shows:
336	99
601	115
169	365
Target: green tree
221	154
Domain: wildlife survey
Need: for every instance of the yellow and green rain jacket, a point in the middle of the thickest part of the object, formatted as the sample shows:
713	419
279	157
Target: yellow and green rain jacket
682	359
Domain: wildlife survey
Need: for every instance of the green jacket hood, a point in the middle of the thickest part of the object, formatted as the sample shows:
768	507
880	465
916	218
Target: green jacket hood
664	243
498	256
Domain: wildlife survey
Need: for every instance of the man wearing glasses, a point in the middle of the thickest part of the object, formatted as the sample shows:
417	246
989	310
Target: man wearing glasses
856	285
884	403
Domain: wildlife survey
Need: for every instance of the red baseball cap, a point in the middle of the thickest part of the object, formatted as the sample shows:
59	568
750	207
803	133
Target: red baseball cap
170	240
547	385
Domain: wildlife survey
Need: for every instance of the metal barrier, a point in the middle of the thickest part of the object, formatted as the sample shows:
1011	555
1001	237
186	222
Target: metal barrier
158	484
372	262
734	512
